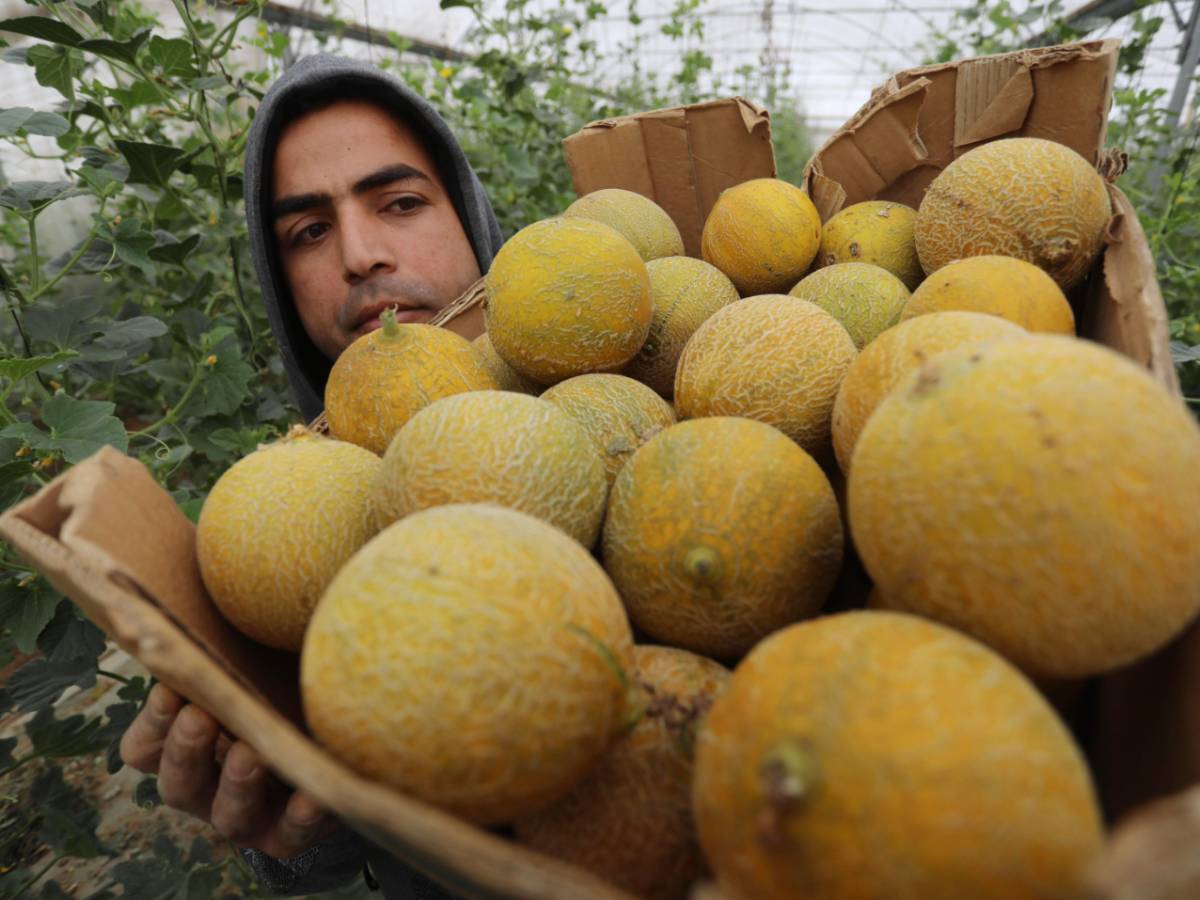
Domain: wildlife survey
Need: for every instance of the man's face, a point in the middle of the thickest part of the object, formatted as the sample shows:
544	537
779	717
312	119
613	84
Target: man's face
362	222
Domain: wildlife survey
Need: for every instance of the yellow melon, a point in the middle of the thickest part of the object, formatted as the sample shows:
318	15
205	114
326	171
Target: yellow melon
1034	199
507	378
385	376
630	821
1041	494
895	354
618	414
1000	286
496	447
878	756
774	358
639	219
684	292
879	232
471	656
763	234
865	298
278	525
720	531
567	296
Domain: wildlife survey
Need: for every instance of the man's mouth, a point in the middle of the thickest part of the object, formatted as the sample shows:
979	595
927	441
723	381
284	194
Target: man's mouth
370	317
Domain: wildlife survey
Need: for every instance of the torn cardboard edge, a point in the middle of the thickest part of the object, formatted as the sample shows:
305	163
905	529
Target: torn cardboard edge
680	157
76	531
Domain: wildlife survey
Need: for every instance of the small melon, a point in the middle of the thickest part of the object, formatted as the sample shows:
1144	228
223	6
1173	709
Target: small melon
865	298
639	219
879	232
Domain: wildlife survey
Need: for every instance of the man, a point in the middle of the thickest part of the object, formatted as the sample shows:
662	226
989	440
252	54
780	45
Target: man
358	197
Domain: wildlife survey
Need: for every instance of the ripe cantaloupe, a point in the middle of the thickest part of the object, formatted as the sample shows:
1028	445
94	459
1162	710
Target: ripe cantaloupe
630	821
278	525
1041	494
879	756
896	353
639	219
719	531
684	292
774	358
879	232
507	378
763	234
618	414
567	296
1000	286
471	656
385	376
865	298
1034	199
496	447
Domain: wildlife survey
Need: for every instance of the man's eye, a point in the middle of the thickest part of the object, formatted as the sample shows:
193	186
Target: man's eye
309	234
406	204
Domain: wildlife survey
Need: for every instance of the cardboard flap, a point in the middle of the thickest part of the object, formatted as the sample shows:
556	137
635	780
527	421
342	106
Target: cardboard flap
992	99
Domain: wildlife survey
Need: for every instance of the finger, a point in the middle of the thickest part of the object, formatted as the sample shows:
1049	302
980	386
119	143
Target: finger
241	809
301	824
142	743
224	742
187	774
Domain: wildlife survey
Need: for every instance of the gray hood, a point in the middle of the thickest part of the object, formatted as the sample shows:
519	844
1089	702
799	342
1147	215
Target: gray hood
307	368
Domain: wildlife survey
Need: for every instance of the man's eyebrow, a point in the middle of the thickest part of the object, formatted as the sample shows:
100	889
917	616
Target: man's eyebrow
379	178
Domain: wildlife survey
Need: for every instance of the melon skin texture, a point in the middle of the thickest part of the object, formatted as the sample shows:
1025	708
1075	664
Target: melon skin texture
763	234
894	354
618	414
1034	199
277	526
387	375
685	292
639	219
865	298
566	296
507	378
1041	494
879	232
720	531
878	756
630	821
997	285
496	447
776	359
470	656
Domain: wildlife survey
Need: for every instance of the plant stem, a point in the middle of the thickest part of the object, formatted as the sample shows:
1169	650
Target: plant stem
35	270
36	878
173	413
114	676
19	763
78	255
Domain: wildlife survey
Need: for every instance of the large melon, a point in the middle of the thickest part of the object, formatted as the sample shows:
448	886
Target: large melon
473	657
878	756
507	378
879	232
867	299
639	219
1041	494
1034	199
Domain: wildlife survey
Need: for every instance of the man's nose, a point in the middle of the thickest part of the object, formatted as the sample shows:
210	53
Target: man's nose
365	245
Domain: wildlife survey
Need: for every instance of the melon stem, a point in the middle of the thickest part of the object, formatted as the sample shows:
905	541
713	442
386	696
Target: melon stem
388	318
788	776
702	564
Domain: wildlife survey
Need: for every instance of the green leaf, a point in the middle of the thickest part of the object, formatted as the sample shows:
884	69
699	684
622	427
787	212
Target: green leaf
69	820
7	745
150	163
451	4
15	55
96	258
56	67
132	332
118	716
156	875
13	477
225	386
25	611
133	244
139	93
43	28
146	794
28	197
173	56
1184	353
39	683
125	51
68	636
65	323
208	83
170	249
16	368
23	120
78	428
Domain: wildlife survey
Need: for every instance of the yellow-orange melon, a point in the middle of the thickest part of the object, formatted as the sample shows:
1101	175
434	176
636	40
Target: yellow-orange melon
618	414
879	232
630	821
896	353
684	292
278	525
507	378
496	447
1034	199
763	234
567	296
385	376
865	298
720	531
639	219
1041	494
1000	286
878	756
774	358
471	656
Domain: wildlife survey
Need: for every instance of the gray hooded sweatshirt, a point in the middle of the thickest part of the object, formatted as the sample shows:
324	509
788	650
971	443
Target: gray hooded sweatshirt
306	85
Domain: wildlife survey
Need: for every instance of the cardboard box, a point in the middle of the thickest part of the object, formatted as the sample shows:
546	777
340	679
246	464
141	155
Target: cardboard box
681	158
109	537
